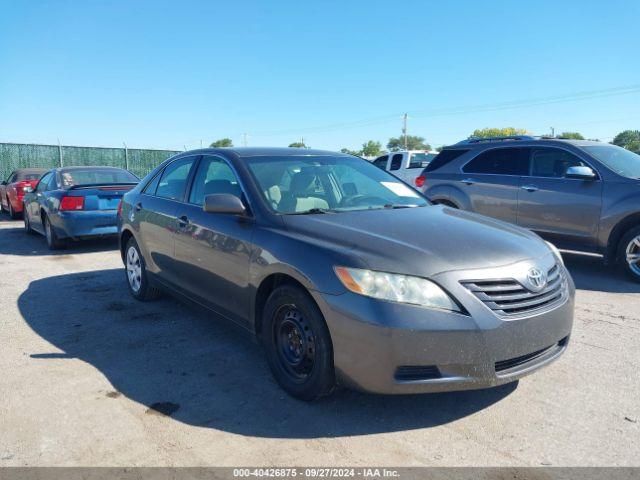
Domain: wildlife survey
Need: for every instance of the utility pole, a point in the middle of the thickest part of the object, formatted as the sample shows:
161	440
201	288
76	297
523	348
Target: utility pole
553	132
60	161
126	156
244	139
404	129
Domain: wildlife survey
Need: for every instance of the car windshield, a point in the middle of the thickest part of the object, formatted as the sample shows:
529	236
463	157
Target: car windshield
420	160
319	184
25	177
96	176
620	160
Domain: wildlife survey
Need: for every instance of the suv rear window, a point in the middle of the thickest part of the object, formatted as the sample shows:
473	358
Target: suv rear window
499	161
444	157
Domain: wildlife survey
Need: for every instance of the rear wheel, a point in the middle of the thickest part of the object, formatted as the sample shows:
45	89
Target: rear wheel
298	344
12	213
136	273
27	222
53	242
629	253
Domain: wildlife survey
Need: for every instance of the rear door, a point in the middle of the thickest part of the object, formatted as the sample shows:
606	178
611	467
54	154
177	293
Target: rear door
564	210
491	181
213	250
156	212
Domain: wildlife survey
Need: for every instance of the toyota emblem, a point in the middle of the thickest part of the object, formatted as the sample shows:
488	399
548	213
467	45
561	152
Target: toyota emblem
537	279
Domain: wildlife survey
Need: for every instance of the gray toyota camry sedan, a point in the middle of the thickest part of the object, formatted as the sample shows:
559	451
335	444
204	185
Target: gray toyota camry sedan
345	274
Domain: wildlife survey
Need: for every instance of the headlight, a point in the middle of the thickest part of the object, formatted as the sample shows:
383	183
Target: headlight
396	288
556	252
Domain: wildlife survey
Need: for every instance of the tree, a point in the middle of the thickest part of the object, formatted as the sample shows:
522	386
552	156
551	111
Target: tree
572	135
413	143
498	132
350	152
300	144
371	149
223	142
629	139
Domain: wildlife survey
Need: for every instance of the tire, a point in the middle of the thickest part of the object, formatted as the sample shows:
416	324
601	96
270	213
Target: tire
27	223
12	213
53	242
136	274
629	253
301	364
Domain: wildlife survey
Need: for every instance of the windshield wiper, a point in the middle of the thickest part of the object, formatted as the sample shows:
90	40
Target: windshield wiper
399	205
312	211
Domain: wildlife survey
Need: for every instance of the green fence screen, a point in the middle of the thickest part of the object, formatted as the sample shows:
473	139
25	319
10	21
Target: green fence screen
20	155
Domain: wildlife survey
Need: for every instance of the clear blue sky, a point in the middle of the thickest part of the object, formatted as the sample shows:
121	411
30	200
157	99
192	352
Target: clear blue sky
169	74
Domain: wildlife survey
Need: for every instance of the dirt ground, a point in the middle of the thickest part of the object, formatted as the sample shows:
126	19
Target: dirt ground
91	377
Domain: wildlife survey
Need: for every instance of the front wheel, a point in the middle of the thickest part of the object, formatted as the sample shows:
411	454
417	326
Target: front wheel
629	253
298	344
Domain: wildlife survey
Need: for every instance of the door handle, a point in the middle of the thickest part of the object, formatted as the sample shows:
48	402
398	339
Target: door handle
183	221
468	181
529	188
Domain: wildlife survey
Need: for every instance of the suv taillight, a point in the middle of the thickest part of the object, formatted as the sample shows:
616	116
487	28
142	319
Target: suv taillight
419	181
120	208
71	203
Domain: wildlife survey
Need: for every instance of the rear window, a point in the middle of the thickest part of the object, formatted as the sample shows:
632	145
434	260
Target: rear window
444	157
96	176
499	161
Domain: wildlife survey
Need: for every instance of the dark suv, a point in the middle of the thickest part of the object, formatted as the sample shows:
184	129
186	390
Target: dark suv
580	195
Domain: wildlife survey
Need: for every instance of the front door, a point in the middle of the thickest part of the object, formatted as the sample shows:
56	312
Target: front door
564	210
213	250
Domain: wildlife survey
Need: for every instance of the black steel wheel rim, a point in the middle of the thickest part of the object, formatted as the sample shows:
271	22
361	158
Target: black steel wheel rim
295	342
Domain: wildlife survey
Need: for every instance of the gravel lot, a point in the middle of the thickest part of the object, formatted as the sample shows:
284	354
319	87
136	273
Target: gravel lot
92	377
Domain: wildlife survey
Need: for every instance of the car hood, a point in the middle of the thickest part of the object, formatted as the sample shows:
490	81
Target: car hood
421	241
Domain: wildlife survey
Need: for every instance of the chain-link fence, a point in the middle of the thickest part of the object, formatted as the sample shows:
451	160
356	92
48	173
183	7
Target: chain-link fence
20	155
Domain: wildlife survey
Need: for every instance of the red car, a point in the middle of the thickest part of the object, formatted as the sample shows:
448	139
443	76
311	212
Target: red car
12	190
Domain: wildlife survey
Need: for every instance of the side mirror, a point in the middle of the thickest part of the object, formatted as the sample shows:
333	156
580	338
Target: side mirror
224	203
581	173
28	189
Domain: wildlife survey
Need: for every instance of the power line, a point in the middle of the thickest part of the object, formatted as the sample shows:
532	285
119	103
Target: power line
531	102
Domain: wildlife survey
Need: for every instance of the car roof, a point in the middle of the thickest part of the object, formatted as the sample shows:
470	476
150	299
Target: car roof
524	140
270	151
88	167
30	170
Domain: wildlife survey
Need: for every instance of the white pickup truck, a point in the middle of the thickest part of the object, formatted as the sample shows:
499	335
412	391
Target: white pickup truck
406	165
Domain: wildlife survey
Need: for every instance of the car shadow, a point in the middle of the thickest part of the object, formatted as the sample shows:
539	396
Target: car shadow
180	361
589	273
15	241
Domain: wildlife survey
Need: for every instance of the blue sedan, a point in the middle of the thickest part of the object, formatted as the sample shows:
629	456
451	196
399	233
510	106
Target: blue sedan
72	203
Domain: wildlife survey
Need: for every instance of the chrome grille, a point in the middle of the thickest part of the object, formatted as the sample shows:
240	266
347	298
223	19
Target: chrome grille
508	297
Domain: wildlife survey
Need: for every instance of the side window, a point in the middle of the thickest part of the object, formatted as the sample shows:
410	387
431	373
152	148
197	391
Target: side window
396	161
44	182
52	184
552	162
498	161
174	179
152	186
12	178
381	162
214	176
443	158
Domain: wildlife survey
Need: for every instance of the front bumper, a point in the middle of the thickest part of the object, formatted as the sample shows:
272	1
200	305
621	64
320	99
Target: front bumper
89	223
386	347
